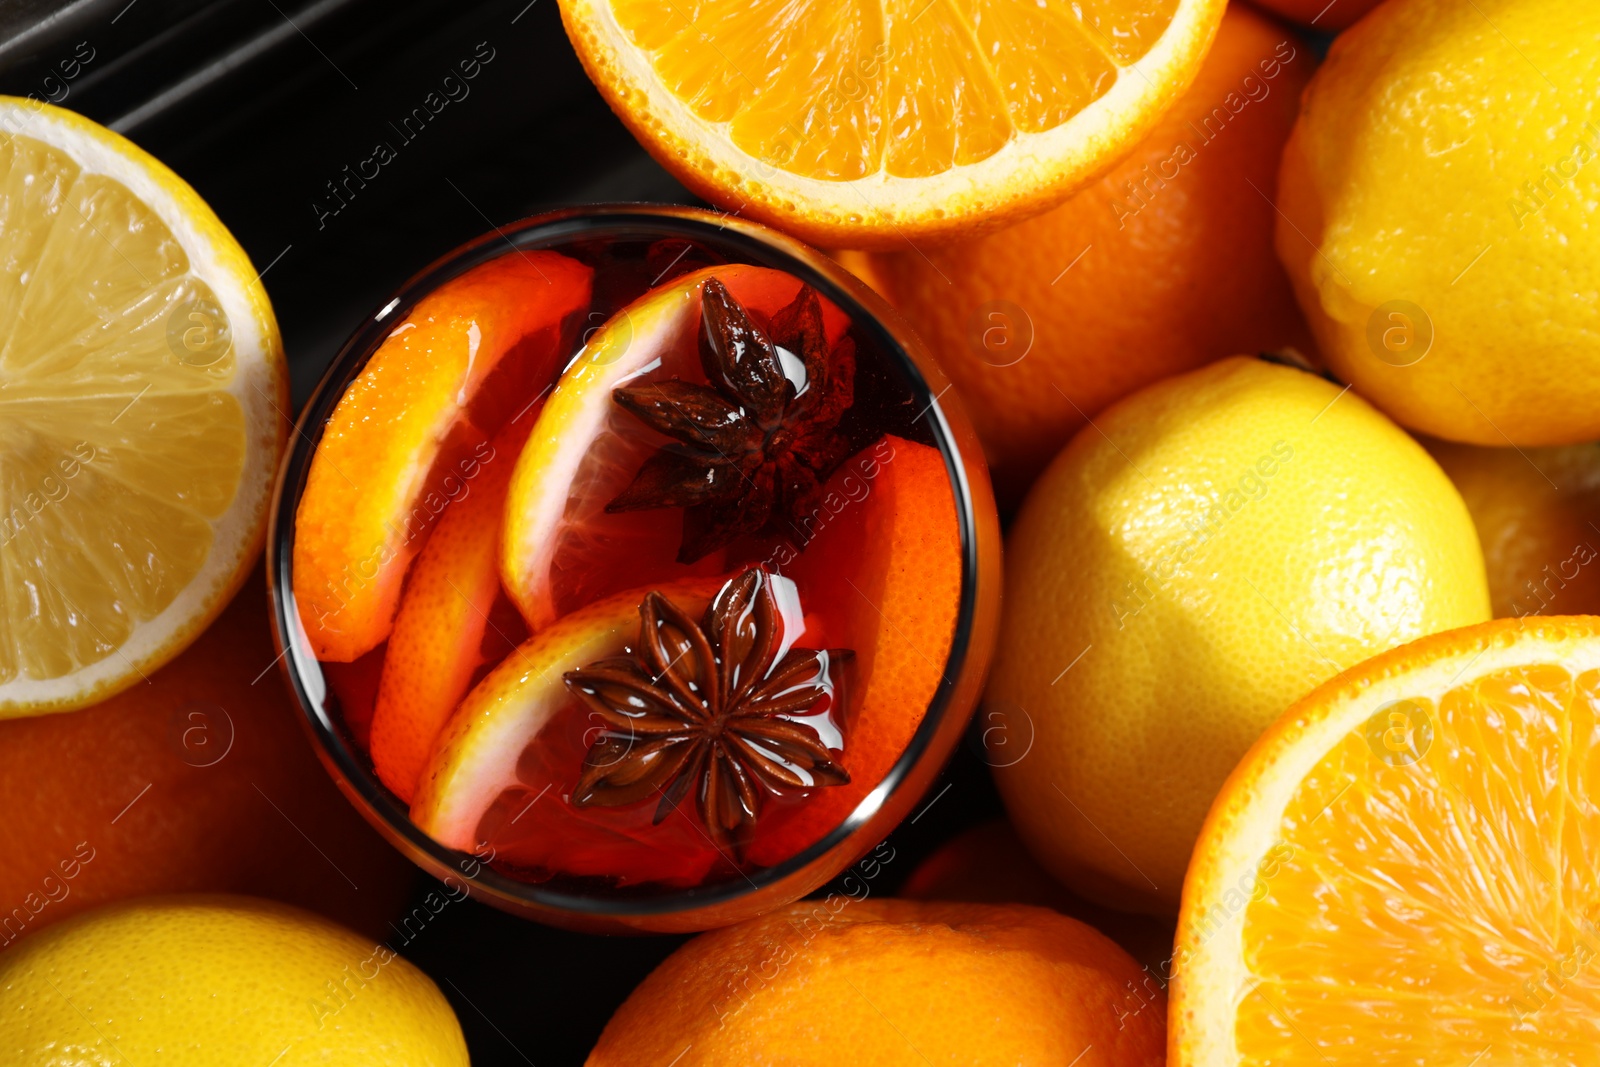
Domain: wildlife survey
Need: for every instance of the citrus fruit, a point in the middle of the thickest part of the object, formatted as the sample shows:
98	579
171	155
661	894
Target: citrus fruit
1537	511
200	980
988	864
889	983
1328	16
863	125
444	621
1437	197
892	513
477	756
1162	265
561	548
1401	870
142	417
406	434
197	782
1212	548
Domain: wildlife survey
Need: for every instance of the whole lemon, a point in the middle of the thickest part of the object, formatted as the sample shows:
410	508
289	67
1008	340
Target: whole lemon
1204	553
1437	200
1537	511
209	980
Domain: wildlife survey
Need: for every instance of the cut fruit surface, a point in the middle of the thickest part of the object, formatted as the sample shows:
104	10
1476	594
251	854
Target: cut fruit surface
891	512
1402	870
561	548
400	443
477	755
861	124
443	624
142	400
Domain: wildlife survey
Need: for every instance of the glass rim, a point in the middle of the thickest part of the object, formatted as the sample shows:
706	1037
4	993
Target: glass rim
752	243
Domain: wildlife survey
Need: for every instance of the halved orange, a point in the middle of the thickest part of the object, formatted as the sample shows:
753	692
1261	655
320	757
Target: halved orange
860	123
561	549
400	443
443	624
1403	869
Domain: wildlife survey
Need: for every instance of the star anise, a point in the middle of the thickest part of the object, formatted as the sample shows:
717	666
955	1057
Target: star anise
715	706
755	446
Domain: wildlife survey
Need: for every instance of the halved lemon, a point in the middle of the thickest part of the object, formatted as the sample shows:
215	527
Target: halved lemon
477	754
561	549
1403	869
860	123
143	402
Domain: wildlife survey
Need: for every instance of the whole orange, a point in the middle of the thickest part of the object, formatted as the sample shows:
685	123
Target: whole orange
1326	15
198	780
988	864
886	983
1164	264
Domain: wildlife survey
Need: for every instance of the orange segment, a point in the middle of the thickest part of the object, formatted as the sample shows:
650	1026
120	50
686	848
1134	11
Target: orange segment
1403	869
904	544
477	755
367	502
443	621
861	122
562	550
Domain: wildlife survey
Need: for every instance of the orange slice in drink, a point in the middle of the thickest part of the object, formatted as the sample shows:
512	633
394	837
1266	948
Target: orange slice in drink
444	619
863	124
561	549
886	544
399	444
1402	870
476	757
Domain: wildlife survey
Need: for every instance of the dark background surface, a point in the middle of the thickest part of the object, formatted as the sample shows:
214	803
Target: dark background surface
259	104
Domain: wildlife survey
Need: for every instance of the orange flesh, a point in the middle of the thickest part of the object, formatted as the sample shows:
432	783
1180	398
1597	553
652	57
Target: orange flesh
599	554
1441	910
444	620
905	580
406	424
838	91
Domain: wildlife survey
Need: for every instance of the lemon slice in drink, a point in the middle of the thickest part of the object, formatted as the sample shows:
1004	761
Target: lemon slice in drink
142	392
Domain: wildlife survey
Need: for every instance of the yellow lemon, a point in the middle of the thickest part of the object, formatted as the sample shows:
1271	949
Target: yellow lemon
143	400
207	980
1204	553
1437	200
1538	516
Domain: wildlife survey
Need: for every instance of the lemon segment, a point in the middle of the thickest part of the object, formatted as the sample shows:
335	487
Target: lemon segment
141	385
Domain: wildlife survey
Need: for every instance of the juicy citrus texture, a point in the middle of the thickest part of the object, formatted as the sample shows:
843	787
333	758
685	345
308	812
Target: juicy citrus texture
398	445
199	781
889	983
142	391
444	619
561	549
858	122
476	756
1537	511
1402	870
904	541
1213	547
197	981
1161	265
1440	183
